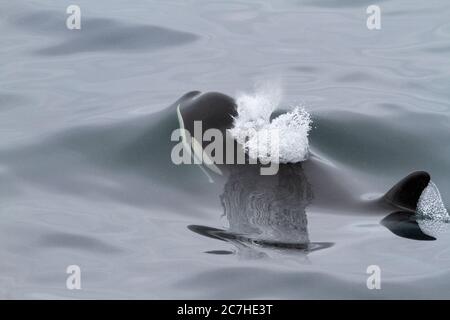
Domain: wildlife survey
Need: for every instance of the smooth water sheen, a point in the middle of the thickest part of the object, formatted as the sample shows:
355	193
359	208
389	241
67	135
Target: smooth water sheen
84	154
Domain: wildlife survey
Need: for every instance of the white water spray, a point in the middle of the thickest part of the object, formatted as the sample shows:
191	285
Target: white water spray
289	131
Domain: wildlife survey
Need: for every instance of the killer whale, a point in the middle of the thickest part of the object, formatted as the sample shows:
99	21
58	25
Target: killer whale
314	176
217	110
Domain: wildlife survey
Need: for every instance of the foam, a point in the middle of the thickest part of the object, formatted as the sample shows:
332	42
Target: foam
282	140
430	204
434	227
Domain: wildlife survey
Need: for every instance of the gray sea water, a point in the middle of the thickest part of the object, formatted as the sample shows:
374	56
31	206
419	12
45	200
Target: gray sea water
83	177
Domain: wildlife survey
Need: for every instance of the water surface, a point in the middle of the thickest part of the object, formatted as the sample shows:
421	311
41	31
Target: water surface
84	167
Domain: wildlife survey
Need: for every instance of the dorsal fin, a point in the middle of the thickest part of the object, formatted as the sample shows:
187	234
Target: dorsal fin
406	193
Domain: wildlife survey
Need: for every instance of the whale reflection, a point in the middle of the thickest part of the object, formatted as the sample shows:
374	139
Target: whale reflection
265	211
407	225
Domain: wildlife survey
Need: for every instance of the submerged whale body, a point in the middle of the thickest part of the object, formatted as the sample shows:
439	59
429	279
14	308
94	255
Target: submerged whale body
270	211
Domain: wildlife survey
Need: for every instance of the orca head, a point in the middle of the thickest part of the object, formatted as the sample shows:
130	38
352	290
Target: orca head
214	110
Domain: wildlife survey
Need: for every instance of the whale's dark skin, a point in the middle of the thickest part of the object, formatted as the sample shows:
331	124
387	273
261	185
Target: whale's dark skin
214	110
264	210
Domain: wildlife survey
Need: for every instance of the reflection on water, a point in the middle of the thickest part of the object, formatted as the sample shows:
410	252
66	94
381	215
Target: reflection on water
408	225
265	210
404	224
